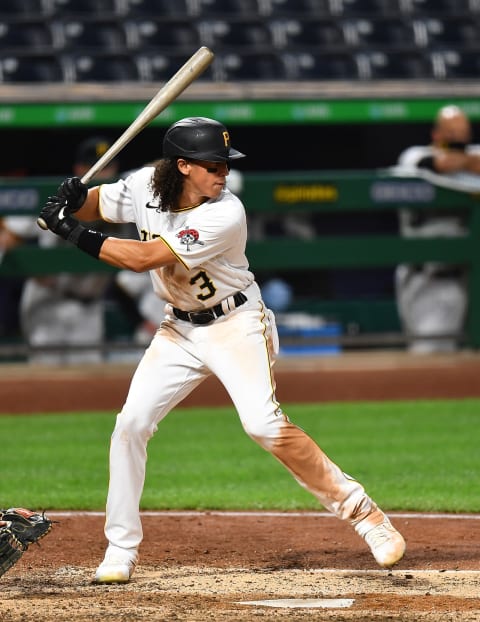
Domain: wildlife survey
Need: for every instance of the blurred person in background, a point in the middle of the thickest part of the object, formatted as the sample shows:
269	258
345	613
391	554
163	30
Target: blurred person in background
60	312
10	290
432	298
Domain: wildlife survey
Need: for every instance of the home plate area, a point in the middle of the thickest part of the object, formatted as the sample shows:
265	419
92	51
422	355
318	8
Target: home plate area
241	566
219	594
366	594
302	603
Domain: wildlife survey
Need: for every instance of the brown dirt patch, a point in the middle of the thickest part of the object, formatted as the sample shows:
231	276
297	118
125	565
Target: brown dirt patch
349	377
198	567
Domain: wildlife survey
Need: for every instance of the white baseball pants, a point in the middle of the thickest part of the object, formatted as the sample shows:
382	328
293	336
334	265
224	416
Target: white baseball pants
240	350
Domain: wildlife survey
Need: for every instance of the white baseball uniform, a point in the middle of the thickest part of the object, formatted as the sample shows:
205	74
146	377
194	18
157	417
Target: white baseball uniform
432	298
62	309
238	347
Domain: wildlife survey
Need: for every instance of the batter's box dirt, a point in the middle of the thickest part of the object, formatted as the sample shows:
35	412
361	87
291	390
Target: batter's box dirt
201	594
200	566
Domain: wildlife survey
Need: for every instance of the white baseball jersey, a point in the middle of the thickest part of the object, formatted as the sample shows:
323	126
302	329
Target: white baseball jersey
209	241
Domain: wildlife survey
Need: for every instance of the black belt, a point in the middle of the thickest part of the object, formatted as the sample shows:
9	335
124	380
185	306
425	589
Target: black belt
442	273
208	315
448	273
86	300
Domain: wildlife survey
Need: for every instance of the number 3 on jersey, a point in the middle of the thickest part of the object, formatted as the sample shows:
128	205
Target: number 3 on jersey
205	284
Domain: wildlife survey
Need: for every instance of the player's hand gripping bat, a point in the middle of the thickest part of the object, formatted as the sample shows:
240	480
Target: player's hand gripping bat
193	68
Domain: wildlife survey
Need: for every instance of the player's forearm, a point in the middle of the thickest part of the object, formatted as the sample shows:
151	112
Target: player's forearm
135	255
447	161
473	163
127	254
90	210
453	161
8	239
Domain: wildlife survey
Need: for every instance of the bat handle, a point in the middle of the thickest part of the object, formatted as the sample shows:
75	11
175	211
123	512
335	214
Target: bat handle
42	224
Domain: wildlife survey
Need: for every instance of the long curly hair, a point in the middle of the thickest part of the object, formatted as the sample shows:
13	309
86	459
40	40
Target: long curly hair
167	183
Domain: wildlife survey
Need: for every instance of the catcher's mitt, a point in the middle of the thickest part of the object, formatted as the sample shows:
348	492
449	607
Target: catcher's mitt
18	529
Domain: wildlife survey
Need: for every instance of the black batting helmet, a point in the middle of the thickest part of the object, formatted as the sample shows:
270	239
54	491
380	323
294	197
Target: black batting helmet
199	138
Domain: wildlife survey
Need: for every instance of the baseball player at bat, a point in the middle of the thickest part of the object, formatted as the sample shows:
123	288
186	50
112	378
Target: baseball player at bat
192	241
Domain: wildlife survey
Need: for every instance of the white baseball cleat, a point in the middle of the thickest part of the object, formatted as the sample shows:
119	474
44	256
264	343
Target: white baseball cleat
117	567
386	543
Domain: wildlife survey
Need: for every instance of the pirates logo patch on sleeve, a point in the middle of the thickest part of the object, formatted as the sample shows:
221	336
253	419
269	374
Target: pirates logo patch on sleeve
189	237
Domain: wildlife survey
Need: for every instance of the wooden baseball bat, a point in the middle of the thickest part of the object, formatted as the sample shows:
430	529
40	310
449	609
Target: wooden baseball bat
194	66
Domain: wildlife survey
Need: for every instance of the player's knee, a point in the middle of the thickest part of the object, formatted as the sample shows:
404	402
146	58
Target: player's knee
262	431
129	427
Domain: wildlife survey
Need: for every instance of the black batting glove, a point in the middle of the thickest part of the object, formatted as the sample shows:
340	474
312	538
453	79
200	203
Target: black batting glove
56	215
58	220
74	192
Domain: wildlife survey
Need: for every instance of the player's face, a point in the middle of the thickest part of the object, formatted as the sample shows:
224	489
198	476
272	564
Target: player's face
205	178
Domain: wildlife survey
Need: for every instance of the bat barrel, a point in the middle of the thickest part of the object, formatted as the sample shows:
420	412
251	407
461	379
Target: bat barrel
194	66
187	73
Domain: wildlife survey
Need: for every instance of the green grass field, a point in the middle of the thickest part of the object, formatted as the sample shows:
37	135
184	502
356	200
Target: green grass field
409	455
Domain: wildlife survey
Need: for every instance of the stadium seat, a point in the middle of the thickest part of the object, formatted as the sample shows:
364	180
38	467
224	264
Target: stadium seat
434	7
30	8
160	67
319	66
150	34
301	8
459	32
371	8
248	67
315	33
157	8
21	35
67	8
379	32
84	67
453	64
30	68
232	8
221	34
81	34
399	65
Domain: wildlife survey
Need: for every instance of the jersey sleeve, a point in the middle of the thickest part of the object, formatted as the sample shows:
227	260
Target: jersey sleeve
117	199
412	156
